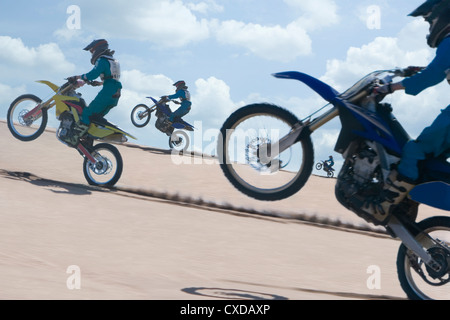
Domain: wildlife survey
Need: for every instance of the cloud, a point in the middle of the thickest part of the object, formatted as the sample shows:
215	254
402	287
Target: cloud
205	7
138	81
277	42
17	56
211	96
7	95
170	24
315	14
408	48
268	42
174	24
381	53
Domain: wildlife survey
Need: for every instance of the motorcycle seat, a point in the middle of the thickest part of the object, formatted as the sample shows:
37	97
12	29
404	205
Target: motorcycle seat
102	121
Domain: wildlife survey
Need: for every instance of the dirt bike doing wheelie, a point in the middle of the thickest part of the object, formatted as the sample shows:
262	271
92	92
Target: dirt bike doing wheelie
178	139
324	165
371	142
28	116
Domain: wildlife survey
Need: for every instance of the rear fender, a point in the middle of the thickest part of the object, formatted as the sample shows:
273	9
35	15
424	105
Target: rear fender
435	194
103	131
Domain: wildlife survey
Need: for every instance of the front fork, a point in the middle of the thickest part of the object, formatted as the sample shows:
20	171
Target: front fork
267	152
400	230
36	112
85	153
146	113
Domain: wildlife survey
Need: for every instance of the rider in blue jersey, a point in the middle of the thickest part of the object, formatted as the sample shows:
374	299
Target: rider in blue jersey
108	69
330	162
435	139
182	93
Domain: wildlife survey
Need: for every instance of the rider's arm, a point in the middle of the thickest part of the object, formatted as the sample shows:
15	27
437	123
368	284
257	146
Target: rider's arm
178	94
431	75
99	68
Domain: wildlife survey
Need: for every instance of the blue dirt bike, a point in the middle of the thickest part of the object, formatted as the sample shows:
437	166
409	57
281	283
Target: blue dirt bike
371	142
178	139
326	167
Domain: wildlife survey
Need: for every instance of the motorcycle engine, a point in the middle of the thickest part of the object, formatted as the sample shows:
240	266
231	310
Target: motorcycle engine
163	124
360	181
66	126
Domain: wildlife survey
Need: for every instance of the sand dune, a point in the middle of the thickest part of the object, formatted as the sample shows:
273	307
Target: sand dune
175	231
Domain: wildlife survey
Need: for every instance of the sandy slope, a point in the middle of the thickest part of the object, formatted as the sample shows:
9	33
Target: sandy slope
189	241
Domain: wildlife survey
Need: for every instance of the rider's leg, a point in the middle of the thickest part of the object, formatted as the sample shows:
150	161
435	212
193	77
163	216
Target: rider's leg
102	103
434	140
181	111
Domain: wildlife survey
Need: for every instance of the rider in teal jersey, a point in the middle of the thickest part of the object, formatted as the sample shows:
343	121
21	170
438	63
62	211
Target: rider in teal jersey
108	69
435	139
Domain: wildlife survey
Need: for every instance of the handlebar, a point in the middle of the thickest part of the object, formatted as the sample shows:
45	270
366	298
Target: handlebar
78	83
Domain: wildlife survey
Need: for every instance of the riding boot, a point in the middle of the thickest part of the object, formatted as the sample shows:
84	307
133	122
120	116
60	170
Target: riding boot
78	132
396	190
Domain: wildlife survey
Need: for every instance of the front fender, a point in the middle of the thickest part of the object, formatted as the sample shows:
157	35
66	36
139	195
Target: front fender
324	90
50	84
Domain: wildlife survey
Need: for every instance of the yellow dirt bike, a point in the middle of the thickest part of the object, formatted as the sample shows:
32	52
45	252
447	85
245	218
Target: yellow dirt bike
28	115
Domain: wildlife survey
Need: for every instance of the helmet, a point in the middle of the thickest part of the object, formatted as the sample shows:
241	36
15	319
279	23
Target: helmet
180	84
437	14
97	48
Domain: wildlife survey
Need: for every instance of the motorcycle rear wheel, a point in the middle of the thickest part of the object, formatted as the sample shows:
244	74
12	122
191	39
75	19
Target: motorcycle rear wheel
241	138
26	129
108	168
179	141
412	283
140	115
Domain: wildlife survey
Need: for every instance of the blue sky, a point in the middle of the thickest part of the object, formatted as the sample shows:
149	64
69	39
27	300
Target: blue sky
225	50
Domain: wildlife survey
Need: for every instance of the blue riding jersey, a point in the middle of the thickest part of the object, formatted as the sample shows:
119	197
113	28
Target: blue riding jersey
434	73
435	139
186	103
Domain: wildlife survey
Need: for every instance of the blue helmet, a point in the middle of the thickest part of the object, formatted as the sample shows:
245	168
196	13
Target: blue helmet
437	14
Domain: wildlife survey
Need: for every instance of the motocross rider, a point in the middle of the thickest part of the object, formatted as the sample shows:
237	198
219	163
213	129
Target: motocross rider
435	139
330	163
108	69
182	93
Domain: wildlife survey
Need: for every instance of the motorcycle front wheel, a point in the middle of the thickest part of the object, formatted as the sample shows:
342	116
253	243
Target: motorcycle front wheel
140	115
108	167
244	136
419	281
23	123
